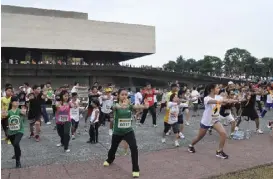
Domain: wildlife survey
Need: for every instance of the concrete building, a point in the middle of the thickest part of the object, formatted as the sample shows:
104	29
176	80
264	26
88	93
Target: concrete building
41	36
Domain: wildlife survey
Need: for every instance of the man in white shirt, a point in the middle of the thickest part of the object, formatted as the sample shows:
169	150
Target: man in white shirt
194	98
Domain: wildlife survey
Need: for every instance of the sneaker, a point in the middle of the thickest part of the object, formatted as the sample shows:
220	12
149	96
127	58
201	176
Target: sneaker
48	123
187	123
155	125
73	137
225	124
191	149
163	140
176	143
210	131
236	128
3	138
168	133
106	164
59	145
181	135
259	131
18	164
37	138
13	157
8	142
221	154
135	174
67	150
270	125
110	132
31	135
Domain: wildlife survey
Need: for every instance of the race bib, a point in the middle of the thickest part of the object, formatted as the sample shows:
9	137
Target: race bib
124	123
14	123
22	103
63	118
173	117
150	99
74	112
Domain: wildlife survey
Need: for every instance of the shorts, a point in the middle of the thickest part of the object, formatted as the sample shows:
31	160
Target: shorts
207	127
195	107
33	120
75	124
229	118
174	126
269	105
155	104
185	109
163	105
180	119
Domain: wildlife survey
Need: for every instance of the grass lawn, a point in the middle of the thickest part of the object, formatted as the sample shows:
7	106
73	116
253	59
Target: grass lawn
262	172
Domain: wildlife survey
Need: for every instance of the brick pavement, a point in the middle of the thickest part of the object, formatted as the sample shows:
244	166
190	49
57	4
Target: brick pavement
166	163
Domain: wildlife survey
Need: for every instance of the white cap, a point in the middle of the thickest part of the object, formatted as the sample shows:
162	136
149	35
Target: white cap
230	83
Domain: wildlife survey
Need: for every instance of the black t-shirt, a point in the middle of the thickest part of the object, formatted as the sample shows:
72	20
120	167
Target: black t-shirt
223	109
22	98
35	107
92	97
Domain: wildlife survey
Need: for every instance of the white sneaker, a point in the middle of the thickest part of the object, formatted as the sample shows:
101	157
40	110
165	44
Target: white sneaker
163	140
236	128
73	137
168	133
176	143
67	150
259	131
187	123
59	145
155	125
110	132
181	135
48	123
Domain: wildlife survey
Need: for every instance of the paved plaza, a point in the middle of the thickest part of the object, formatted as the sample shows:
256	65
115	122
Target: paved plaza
159	160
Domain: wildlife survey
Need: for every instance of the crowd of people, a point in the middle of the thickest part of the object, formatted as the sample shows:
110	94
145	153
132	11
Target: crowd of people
225	104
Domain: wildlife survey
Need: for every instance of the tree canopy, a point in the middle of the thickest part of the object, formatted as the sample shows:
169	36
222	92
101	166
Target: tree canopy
236	63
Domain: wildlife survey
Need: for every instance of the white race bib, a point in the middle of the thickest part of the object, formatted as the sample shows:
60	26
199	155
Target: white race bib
173	117
63	118
74	112
14	123
22	103
124	123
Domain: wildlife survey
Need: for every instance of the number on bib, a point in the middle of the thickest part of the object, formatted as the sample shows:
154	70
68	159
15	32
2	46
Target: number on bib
14	127
63	118
124	123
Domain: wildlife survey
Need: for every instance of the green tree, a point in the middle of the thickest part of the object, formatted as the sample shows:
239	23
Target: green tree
180	64
234	61
170	66
267	66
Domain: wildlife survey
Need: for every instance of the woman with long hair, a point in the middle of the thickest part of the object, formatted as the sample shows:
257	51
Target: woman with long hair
210	118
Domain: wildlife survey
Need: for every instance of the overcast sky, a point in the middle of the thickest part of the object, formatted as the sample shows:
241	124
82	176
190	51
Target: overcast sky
192	28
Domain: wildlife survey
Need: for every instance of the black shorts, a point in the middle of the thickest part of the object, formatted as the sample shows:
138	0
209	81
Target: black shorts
185	108
75	124
167	127
163	105
180	119
195	107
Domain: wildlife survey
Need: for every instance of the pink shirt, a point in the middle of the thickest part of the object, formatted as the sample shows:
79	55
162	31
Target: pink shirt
63	114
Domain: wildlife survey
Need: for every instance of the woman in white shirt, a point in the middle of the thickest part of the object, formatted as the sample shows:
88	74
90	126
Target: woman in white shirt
210	119
94	122
138	101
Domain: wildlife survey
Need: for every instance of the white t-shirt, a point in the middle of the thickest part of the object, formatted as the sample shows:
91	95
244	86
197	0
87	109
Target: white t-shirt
269	98
211	113
155	98
173	112
194	96
93	116
75	112
164	98
74	89
107	104
138	98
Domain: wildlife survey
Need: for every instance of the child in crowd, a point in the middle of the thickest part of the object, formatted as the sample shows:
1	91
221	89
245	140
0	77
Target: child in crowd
94	122
75	113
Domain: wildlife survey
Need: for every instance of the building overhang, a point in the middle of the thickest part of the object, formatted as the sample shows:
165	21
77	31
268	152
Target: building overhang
47	32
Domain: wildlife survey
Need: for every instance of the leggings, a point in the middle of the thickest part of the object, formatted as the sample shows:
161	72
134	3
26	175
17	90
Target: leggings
131	140
4	123
94	132
64	133
152	111
15	141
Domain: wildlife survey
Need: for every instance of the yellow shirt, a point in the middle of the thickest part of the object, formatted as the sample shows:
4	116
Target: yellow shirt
4	105
169	95
166	117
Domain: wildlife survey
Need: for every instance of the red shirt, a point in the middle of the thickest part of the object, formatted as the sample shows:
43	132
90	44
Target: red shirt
149	96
